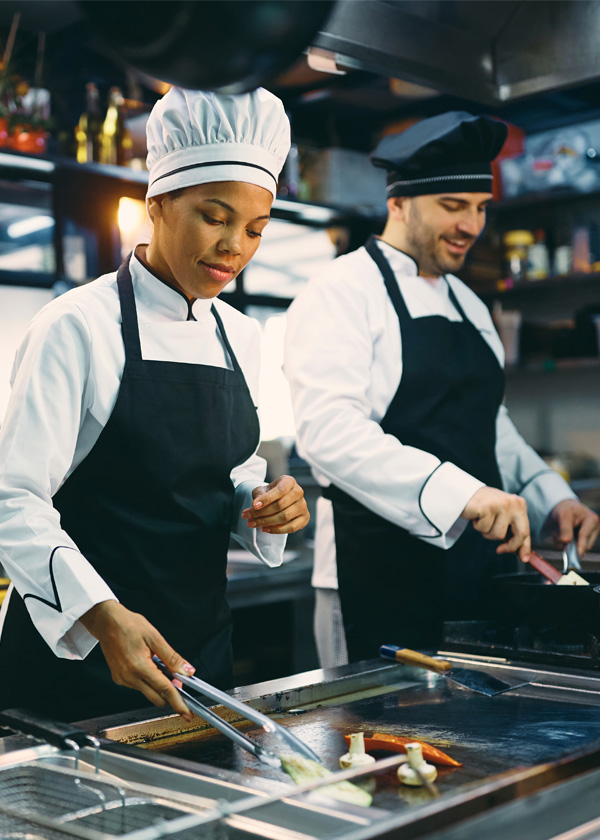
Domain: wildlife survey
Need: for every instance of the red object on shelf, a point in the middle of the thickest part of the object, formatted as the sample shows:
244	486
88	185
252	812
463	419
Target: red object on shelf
4	136
25	139
514	145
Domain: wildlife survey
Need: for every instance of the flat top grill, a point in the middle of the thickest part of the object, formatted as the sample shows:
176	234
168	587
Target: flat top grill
488	735
512	743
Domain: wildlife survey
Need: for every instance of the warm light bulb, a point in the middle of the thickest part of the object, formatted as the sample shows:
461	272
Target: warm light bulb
132	215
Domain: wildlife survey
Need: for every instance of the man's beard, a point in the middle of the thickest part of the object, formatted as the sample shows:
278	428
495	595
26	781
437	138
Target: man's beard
426	248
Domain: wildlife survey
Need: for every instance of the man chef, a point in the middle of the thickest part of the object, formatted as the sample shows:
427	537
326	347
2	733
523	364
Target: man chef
396	374
128	453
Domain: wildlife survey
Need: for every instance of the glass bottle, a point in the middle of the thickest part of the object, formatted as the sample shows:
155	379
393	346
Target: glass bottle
88	131
116	146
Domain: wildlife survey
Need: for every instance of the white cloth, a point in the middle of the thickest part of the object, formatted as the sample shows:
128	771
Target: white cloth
343	360
65	383
195	137
328	628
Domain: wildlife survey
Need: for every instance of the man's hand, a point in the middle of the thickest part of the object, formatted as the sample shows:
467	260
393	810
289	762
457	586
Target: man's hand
572	519
278	508
128	642
493	512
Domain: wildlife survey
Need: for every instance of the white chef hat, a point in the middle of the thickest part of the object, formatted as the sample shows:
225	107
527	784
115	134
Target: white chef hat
197	137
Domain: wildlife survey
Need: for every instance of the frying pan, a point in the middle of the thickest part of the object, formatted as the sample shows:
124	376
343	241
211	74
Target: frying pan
530	597
230	47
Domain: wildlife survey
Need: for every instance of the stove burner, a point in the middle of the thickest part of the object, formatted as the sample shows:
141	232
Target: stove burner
558	644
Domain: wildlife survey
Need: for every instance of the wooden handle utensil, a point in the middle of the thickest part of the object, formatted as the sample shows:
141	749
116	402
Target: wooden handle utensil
413	657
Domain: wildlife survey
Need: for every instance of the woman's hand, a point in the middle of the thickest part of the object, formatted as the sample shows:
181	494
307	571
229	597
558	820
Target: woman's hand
128	642
501	516
278	508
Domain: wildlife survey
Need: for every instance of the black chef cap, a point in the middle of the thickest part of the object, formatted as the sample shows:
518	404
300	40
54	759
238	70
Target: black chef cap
451	152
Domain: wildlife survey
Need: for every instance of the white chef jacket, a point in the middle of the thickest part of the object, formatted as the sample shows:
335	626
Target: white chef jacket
343	360
65	382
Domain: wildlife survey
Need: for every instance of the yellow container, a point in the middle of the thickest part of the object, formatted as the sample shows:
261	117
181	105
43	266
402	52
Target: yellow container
4	584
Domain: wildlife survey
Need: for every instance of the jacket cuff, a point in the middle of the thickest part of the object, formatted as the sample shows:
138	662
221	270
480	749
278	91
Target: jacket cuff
76	588
267	547
445	494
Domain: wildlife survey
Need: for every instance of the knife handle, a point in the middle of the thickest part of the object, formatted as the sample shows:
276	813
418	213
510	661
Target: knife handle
413	657
544	568
57	733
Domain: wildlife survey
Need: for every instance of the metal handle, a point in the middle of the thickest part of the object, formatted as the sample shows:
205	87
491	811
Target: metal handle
57	733
208	690
570	558
230	731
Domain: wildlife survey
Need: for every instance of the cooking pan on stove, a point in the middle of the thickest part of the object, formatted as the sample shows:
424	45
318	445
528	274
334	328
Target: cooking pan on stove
529	597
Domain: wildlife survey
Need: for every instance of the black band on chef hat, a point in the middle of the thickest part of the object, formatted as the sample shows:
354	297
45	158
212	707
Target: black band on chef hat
448	153
214	163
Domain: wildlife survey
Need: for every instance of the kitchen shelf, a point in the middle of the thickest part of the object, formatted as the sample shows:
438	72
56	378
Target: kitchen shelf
541	197
551	365
534	287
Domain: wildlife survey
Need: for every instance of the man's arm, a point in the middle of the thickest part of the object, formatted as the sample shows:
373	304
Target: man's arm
331	334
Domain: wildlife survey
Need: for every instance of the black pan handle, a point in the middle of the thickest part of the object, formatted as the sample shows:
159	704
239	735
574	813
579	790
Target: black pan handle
57	733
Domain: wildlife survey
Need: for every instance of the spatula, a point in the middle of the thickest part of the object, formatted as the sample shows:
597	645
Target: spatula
571	578
477	681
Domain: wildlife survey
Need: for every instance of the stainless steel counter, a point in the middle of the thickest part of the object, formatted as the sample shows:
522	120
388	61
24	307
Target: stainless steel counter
531	757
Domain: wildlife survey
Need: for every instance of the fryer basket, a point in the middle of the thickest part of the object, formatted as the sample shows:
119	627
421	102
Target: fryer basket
47	803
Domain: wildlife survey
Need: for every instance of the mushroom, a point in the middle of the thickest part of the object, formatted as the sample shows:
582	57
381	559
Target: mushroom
407	773
356	755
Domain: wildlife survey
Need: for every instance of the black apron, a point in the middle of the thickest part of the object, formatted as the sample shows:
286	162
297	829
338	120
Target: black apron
395	588
150	507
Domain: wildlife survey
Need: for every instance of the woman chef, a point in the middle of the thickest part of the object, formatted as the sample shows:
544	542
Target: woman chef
128	453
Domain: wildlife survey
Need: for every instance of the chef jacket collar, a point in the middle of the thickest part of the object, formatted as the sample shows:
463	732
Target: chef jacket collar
165	299
400	261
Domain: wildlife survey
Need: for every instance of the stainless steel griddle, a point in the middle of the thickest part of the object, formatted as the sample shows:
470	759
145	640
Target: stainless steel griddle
540	740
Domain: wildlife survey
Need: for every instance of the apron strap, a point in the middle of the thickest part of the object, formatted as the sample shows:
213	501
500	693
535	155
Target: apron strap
129	319
456	304
389	278
223	334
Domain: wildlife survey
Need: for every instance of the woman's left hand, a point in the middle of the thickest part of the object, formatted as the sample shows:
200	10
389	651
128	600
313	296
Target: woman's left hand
278	508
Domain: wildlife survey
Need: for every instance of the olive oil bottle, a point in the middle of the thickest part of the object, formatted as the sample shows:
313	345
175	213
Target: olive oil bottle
88	131
116	146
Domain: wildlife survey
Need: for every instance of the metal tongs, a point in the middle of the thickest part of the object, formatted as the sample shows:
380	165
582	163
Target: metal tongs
570	558
282	734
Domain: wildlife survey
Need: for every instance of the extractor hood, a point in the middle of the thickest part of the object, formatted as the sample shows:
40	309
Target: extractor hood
489	51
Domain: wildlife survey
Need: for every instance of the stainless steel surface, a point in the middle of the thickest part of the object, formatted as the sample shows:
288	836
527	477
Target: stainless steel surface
491	52
514	747
82	803
485	684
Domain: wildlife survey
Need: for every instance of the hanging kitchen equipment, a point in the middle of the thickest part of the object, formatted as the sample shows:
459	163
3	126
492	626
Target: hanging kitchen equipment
230	47
477	681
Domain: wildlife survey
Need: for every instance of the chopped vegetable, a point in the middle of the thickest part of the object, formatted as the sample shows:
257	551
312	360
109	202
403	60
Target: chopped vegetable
397	743
356	755
303	771
417	768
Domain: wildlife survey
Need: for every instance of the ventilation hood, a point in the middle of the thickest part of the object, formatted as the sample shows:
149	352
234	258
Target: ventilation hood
491	52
